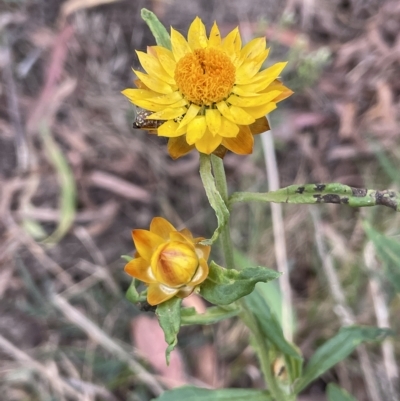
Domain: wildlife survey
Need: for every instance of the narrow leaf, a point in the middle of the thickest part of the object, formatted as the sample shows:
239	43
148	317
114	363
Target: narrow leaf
214	197
213	314
226	394
336	349
169	316
158	30
269	324
335	393
66	181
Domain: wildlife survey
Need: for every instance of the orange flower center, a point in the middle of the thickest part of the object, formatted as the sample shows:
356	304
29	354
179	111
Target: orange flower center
205	76
176	264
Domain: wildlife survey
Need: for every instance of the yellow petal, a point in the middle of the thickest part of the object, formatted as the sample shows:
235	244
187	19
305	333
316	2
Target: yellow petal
161	227
235	115
201	273
250	68
215	36
154	84
237	89
140	269
185	291
170	129
168	113
242	144
269	74
179	45
146	243
187	234
169	99
153	67
179	237
196	129
192	112
208	143
166	59
259	126
229	44
213	119
253	101
252	48
132	94
178	147
224	110
260	111
228	128
138	101
158	293
197	37
203	251
240	116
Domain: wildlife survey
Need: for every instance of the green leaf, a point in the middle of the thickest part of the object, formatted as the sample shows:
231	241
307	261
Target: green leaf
388	251
66	181
224	286
214	314
270	326
158	30
214	197
169	316
336	349
335	393
226	394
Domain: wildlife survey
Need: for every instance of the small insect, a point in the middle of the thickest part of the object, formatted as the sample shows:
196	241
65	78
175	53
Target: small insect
141	122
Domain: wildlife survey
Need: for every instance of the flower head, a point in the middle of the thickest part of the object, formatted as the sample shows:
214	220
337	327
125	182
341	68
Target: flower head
209	92
171	262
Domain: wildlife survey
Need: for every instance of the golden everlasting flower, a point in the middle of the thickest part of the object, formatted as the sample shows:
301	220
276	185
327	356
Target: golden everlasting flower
171	262
209	92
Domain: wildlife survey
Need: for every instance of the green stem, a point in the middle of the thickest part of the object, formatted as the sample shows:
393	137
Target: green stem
227	247
222	187
263	354
323	193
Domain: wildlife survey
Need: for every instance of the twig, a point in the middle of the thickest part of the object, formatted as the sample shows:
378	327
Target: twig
382	317
21	144
101	338
341	308
21	356
279	236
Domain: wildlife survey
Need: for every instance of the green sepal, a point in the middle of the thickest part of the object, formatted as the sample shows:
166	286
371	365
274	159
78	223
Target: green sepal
169	317
127	258
223	286
132	294
158	30
212	315
336	349
225	394
335	393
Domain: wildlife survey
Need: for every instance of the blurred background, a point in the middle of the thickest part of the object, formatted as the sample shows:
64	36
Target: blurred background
75	179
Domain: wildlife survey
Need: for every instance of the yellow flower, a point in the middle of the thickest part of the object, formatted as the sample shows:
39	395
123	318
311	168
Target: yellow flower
171	262
208	92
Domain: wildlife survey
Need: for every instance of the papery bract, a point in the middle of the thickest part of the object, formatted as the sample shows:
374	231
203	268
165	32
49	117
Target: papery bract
208	91
171	262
